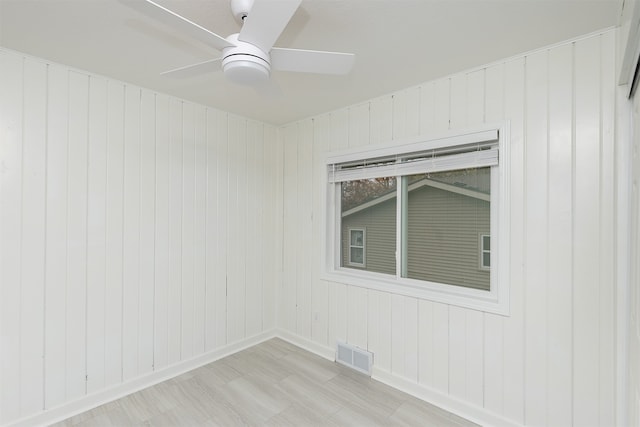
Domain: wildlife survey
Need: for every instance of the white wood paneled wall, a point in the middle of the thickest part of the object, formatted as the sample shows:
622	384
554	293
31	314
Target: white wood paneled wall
633	332
551	362
137	231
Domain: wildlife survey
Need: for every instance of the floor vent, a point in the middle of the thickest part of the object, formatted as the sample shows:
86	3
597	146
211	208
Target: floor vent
354	357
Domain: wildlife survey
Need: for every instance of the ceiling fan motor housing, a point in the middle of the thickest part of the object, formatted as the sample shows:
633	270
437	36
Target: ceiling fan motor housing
245	63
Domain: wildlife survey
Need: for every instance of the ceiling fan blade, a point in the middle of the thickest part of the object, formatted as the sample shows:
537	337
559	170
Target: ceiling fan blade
195	69
311	61
266	21
186	27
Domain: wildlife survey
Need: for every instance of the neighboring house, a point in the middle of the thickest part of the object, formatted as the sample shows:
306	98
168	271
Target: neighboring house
448	233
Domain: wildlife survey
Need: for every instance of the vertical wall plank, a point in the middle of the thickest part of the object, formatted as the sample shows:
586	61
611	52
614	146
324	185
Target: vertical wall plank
514	325
147	254
476	98
188	229
426	344
381	120
427	108
411	339
586	217
457	352
373	322
237	229
383	355
536	219
255	211
441	350
131	234
357	316
493	324
222	195
442	118
406	113
272	221
320	289
114	237
397	335
239	306
474	352
96	234
32	264
559	292
304	224
606	301
211	238
339	129
77	235
287	315
338	318
174	314
458	102
56	240
200	206
161	271
359	126
493	374
11	85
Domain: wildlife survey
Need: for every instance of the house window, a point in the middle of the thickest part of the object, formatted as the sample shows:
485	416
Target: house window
430	209
485	251
357	247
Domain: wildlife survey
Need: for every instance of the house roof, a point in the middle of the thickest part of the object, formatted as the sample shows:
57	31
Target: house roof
457	187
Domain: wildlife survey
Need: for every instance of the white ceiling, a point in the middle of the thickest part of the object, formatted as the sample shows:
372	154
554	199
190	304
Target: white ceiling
398	44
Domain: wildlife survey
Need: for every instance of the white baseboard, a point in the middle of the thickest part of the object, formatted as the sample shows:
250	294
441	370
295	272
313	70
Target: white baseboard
444	401
101	397
312	346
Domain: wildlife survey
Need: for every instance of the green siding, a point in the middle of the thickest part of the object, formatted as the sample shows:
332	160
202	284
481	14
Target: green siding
379	222
444	229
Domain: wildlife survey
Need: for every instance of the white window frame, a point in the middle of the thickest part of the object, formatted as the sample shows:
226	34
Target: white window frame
496	300
363	247
482	251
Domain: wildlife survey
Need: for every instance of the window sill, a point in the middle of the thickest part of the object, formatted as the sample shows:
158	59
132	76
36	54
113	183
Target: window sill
474	299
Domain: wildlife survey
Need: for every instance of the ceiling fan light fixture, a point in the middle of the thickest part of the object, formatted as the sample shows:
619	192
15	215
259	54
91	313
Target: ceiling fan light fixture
245	63
248	71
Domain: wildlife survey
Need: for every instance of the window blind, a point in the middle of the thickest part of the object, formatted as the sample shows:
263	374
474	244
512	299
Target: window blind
430	161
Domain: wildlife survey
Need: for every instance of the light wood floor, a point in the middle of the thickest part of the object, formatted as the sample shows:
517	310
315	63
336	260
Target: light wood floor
271	384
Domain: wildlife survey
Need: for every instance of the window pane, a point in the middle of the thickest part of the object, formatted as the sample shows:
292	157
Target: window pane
356	238
369	204
486	259
447	211
486	243
357	255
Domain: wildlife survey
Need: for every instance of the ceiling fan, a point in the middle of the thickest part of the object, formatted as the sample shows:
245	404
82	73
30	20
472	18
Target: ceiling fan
249	56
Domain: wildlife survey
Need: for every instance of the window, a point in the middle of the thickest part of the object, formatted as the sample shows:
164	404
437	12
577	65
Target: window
369	204
485	251
418	218
356	247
